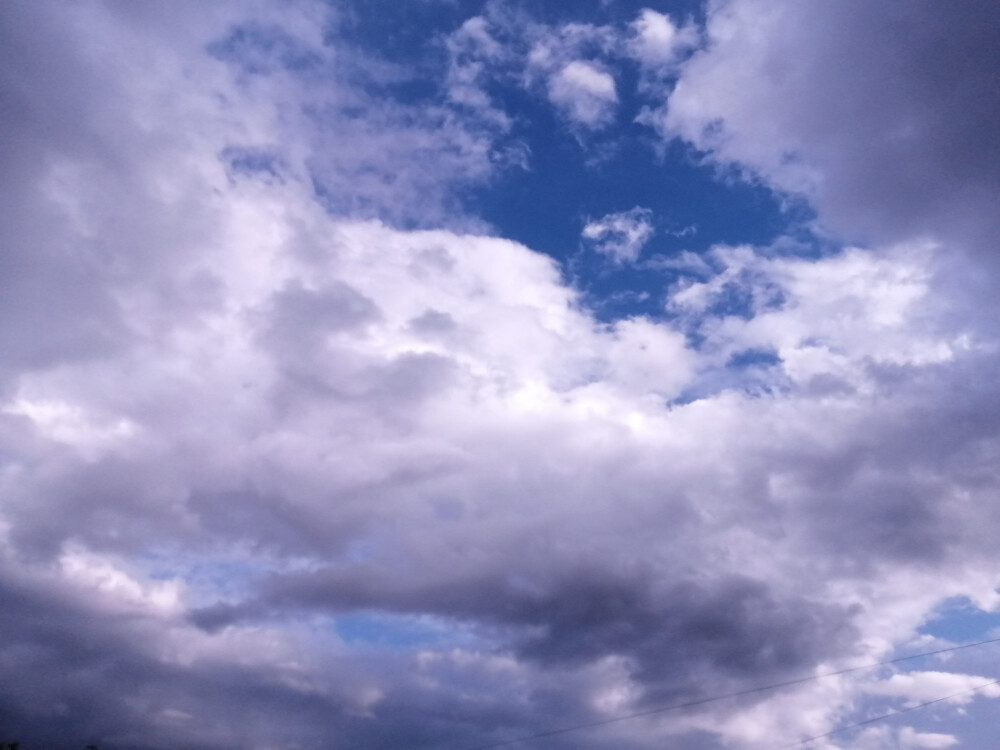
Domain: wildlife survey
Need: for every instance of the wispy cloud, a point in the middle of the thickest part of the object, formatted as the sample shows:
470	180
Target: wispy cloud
621	235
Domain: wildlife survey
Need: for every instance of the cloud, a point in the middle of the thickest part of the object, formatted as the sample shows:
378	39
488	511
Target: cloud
918	687
369	426
883	114
910	738
657	43
620	236
572	64
270	401
567	64
585	93
475	57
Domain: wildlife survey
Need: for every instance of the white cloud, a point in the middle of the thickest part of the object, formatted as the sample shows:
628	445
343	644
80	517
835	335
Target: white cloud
657	43
920	687
389	407
621	235
829	320
910	738
566	63
585	93
573	64
255	417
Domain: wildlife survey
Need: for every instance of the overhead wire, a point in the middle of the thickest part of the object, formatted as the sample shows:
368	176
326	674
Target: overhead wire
740	693
898	712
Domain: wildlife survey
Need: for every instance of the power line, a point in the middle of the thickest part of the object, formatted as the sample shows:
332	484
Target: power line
737	694
838	730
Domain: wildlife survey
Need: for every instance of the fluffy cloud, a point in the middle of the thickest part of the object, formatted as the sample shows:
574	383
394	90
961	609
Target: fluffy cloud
585	93
657	42
573	65
285	471
909	738
567	64
883	113
919	687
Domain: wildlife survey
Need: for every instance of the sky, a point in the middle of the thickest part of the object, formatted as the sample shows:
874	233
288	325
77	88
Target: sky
435	374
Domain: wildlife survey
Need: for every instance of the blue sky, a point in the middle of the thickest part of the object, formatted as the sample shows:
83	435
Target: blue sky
433	374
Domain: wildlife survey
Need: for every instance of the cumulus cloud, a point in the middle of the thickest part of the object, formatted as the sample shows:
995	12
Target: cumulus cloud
574	65
567	64
918	687
270	404
657	42
882	113
621	235
585	93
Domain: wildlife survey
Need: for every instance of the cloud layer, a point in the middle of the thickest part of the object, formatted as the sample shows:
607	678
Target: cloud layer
294	454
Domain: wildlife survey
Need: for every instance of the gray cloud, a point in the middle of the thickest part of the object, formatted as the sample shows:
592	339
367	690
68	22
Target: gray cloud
677	637
884	113
239	412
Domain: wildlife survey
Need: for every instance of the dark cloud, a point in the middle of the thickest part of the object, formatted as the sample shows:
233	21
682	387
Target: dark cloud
678	638
887	113
238	413
299	320
81	673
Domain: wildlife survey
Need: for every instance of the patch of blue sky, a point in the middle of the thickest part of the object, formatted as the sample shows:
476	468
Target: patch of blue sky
958	620
408	33
753	358
208	582
405	32
245	161
974	724
965	721
210	579
756	382
753	372
546	206
259	49
392	632
571	175
734	299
